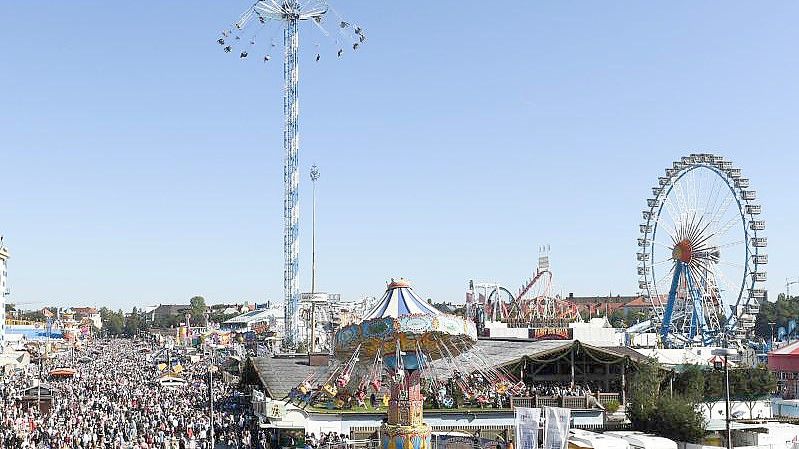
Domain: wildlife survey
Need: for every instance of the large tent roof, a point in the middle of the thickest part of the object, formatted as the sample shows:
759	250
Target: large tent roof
400	299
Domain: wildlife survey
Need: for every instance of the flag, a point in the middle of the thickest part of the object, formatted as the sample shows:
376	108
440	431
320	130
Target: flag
556	430
161	366
527	421
177	368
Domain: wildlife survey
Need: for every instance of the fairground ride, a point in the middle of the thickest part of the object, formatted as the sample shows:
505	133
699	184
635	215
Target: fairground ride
254	27
533	305
702	253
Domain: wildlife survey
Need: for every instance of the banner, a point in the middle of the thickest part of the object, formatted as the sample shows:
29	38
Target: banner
527	421
556	430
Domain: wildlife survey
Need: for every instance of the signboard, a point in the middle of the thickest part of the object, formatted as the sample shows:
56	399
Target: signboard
550	333
556	430
276	409
527	421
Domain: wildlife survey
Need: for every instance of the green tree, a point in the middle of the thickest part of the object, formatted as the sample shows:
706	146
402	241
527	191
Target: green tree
690	383
198	309
113	322
132	323
751	385
644	393
651	410
677	418
714	389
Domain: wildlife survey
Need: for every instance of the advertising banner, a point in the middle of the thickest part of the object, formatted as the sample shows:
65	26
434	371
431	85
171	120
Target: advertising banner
556	430
528	421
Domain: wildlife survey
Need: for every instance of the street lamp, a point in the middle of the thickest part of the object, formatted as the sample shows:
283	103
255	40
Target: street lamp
726	353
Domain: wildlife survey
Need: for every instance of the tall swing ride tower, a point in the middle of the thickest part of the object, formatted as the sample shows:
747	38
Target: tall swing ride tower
287	15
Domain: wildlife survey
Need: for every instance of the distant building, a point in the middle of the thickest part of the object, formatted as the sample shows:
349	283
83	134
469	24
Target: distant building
784	363
91	314
639	304
591	306
164	311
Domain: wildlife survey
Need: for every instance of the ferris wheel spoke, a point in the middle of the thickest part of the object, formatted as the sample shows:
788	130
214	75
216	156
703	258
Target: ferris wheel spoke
729	224
731	244
712	197
733	265
732	288
669	274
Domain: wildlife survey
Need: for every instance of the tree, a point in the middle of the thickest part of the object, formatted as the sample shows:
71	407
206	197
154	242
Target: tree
690	383
113	322
644	392
714	389
650	410
677	418
751	385
133	323
198	310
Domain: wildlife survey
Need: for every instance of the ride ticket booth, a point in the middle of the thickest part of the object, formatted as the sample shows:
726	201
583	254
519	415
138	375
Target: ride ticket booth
40	396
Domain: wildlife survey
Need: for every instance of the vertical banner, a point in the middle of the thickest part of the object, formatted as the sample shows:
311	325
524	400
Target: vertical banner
556	430
528	421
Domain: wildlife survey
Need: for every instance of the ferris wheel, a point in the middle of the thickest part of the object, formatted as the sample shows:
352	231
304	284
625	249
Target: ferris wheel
702	253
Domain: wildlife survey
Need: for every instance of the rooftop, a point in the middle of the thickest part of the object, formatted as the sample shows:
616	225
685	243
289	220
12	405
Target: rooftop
280	374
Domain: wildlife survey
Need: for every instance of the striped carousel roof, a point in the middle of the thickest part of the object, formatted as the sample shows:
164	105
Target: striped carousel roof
399	300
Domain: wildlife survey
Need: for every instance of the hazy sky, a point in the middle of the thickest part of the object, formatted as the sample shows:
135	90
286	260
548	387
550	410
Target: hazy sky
140	164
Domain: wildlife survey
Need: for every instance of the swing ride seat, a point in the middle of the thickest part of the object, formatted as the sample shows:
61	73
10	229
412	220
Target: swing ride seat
330	390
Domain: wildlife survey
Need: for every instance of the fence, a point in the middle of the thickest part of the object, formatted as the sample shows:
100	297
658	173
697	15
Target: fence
573	402
368	433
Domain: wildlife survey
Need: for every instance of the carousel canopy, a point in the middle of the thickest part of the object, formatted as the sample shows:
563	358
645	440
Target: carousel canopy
402	319
399	300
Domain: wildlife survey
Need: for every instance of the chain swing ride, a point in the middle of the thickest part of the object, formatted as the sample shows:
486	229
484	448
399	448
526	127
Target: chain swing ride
410	351
242	38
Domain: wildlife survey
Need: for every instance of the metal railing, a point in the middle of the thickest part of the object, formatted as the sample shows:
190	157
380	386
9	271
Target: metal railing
573	402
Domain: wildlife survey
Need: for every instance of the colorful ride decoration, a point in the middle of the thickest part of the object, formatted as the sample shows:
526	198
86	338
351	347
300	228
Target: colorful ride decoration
402	334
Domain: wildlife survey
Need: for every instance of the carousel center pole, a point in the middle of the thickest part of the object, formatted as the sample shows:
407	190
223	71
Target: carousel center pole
405	428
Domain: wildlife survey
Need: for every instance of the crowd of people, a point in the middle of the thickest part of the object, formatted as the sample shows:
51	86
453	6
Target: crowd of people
114	401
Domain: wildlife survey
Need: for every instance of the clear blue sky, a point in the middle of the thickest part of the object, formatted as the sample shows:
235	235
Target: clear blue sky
140	164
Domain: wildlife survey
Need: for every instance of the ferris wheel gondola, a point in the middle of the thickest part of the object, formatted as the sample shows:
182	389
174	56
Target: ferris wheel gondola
702	253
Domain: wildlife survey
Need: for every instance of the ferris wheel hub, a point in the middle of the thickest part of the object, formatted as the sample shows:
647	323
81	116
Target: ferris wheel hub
682	251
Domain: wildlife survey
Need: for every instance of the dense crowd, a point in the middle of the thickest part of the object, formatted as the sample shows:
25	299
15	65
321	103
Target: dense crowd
114	401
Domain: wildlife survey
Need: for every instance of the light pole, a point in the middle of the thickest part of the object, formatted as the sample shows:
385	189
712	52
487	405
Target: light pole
314	177
726	352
